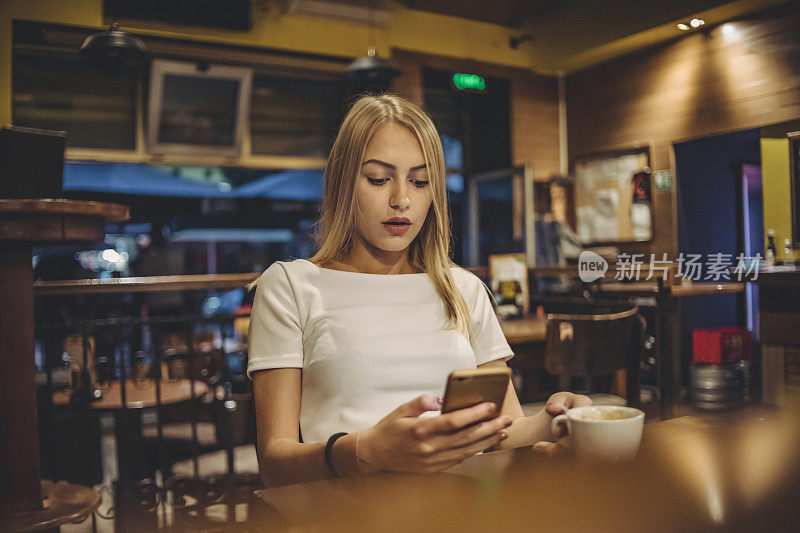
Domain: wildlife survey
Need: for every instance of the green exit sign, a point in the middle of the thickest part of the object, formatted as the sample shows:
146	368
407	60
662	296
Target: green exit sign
472	82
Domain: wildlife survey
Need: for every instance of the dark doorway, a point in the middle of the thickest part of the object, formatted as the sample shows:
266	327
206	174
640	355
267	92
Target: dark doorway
714	218
476	136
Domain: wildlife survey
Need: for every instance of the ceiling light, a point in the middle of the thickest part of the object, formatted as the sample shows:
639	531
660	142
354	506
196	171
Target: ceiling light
372	74
372	67
682	26
114	47
696	23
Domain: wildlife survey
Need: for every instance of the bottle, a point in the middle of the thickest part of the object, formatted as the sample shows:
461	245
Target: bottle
769	261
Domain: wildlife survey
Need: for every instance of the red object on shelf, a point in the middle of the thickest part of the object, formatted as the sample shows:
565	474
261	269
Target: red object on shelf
707	346
721	346
735	344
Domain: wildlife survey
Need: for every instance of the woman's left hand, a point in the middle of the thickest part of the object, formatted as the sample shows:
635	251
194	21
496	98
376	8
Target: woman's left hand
556	405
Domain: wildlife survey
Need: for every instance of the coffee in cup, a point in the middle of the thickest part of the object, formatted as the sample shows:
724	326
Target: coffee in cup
601	432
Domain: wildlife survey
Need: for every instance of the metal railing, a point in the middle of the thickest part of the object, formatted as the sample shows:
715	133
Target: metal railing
157	410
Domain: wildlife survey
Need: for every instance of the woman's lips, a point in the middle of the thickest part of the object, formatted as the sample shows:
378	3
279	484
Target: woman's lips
396	229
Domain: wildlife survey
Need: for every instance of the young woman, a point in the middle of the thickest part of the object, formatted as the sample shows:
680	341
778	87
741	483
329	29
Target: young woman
360	339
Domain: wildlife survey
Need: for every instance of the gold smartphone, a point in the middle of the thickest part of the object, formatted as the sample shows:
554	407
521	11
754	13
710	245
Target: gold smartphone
469	387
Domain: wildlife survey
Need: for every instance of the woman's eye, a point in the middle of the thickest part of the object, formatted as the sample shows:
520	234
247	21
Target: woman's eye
420	183
377	181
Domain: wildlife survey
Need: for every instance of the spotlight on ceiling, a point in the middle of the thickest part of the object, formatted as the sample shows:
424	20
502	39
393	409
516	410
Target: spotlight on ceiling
696	23
684	27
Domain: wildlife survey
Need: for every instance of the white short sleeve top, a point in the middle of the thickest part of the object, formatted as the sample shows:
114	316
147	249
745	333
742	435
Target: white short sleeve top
366	343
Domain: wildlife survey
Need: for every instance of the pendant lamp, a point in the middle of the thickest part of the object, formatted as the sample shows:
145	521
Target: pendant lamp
372	66
114	47
372	73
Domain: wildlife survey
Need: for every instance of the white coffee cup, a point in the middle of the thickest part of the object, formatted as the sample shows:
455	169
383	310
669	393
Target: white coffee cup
601	432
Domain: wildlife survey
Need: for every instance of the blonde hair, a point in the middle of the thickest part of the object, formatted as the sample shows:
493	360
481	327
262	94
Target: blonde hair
337	229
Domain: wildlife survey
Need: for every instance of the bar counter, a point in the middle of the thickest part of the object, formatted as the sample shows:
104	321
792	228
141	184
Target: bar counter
779	324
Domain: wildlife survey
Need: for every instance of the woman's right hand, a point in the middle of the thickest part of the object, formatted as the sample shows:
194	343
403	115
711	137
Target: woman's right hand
404	442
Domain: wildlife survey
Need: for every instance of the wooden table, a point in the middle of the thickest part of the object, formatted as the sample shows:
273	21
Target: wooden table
689	475
141	395
703	288
24	223
64	503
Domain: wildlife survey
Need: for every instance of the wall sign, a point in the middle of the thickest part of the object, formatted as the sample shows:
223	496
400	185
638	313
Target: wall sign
662	179
471	82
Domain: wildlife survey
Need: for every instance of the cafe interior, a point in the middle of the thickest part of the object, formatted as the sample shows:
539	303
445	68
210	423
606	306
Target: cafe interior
624	176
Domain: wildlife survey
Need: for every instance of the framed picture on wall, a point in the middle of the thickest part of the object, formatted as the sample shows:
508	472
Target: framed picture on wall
794	162
197	109
613	200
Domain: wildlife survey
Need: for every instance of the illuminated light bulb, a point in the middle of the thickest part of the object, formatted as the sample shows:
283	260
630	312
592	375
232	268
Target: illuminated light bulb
110	255
730	32
696	23
683	26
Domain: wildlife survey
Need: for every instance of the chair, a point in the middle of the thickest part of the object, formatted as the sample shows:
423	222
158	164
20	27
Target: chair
594	342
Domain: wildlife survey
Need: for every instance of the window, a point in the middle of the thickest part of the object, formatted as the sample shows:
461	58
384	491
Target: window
295	116
296	103
95	105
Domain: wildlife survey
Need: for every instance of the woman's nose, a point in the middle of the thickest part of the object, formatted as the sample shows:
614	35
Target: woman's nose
400	199
401	203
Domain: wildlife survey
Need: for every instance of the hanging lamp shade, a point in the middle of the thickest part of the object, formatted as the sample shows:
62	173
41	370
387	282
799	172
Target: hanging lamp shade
373	67
114	47
372	73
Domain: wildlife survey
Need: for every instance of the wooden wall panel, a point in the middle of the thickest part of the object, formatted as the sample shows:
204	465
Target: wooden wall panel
409	83
534	104
534	123
738	75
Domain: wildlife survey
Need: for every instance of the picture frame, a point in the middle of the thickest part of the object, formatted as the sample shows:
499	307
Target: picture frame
609	207
197	109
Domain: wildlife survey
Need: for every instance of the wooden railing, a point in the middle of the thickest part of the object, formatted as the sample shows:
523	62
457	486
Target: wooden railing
233	281
143	284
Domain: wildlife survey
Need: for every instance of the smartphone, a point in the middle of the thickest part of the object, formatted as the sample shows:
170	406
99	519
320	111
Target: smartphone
469	387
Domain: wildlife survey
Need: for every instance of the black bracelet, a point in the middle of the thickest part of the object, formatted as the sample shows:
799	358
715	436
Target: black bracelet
328	452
